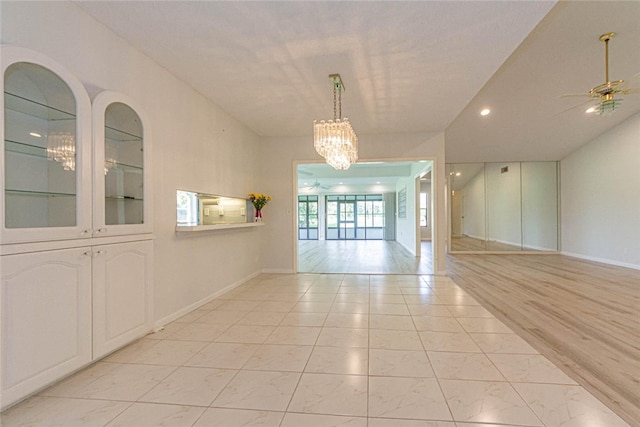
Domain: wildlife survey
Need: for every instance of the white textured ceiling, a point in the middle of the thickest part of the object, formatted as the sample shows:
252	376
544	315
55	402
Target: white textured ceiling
418	66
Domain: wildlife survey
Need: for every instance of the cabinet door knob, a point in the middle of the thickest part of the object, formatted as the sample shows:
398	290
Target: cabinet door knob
87	253
84	232
101	252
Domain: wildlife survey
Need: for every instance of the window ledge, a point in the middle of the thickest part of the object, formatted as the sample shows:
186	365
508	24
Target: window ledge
214	227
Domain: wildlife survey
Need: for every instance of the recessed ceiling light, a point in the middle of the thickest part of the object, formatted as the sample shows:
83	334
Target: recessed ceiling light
590	110
340	183
485	112
36	134
458	174
377	182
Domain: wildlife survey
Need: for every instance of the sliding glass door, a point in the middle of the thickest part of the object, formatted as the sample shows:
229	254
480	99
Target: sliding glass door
355	217
308	217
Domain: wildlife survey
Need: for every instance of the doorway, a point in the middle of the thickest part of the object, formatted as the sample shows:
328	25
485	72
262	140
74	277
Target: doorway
341	218
360	229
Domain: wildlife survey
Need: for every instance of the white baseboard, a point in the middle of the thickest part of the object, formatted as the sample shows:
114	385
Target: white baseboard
278	271
506	242
538	248
602	260
159	324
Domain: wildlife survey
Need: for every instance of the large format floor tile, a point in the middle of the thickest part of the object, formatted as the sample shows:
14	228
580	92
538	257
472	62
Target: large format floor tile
258	390
331	394
412	398
315	350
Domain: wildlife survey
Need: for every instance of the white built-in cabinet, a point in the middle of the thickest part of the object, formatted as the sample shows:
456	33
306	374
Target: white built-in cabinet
46	318
121	294
76	247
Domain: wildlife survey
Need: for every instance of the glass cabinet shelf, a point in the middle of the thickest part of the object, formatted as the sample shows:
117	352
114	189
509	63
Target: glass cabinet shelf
35	109
24	148
125	167
37	193
125	198
120	135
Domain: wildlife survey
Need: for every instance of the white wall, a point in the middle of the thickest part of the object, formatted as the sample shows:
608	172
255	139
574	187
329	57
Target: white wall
406	227
600	197
196	146
277	159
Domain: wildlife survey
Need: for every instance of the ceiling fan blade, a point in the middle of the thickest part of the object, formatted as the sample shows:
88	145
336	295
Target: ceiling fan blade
582	104
630	84
575	95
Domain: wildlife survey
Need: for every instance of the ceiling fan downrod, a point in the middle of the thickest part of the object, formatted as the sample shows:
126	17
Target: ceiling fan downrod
605	38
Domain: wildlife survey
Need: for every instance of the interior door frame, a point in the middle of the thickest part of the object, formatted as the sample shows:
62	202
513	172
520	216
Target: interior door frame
438	207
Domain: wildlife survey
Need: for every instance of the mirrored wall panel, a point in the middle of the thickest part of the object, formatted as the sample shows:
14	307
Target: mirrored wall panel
503	207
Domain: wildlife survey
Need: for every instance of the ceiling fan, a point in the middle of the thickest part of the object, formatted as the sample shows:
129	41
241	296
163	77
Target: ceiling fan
316	186
607	96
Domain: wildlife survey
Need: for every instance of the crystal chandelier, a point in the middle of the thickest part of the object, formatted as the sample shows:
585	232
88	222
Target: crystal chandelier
335	140
109	157
61	147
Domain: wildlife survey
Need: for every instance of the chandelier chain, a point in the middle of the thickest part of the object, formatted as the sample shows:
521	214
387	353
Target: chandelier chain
335	88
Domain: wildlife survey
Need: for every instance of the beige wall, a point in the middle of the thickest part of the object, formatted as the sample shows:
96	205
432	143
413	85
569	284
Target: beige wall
278	158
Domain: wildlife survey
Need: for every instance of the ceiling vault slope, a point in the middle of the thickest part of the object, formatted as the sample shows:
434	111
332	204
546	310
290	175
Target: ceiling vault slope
408	67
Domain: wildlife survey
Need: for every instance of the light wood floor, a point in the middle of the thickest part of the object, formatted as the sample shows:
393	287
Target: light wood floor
362	257
583	316
466	243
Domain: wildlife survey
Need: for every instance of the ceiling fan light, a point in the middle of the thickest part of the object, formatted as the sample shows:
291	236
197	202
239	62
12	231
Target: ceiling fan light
608	106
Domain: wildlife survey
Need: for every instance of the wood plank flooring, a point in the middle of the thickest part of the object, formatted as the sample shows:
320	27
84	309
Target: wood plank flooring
466	243
583	316
362	257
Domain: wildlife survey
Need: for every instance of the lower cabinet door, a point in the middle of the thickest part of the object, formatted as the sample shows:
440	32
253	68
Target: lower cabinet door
45	307
122	294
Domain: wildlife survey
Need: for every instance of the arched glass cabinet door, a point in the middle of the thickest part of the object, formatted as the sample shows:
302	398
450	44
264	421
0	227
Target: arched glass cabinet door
46	150
122	166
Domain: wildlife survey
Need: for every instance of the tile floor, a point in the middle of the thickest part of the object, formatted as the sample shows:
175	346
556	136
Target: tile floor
324	350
